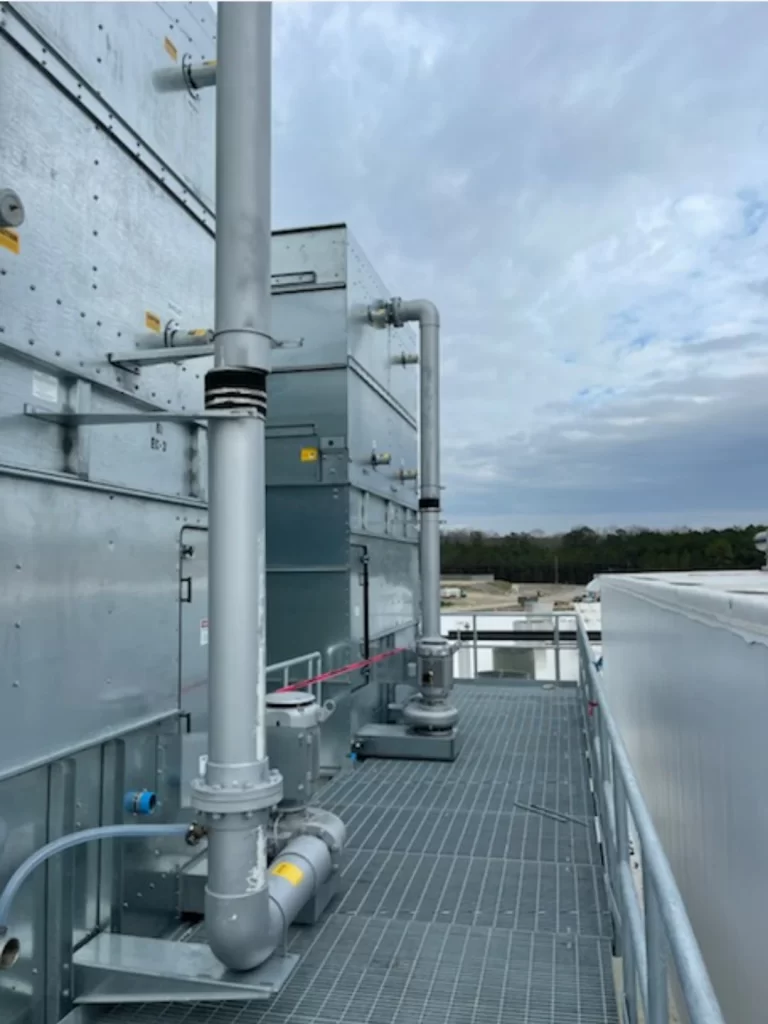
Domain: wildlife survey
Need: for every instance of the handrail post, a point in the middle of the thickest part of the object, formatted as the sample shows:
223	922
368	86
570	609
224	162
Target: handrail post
474	644
556	629
655	946
628	952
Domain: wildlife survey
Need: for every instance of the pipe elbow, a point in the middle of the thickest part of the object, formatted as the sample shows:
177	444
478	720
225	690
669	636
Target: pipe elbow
245	930
429	315
423	310
242	931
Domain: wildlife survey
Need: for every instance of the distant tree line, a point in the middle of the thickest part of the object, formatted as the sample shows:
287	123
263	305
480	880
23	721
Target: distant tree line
580	554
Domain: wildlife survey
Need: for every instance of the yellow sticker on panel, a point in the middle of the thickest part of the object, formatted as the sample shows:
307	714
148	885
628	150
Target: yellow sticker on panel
153	322
309	454
10	240
288	871
170	49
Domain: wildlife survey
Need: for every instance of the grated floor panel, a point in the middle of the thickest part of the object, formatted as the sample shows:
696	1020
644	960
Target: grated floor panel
472	891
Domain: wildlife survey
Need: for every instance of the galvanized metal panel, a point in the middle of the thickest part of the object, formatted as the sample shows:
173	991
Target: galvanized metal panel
310	256
23	824
308	401
306	529
149	870
376	424
686	667
93	256
120	50
193	617
393	575
90	609
312	326
85	813
374	349
306	611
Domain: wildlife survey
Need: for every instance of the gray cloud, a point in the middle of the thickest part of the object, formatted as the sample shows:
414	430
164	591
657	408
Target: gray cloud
582	189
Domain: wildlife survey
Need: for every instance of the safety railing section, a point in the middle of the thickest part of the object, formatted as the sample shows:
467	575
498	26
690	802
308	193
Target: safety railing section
533	630
303	666
650	920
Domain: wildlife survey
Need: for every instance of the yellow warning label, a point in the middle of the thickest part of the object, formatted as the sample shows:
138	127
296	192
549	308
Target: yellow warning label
10	240
309	454
199	332
153	322
170	49
288	871
209	63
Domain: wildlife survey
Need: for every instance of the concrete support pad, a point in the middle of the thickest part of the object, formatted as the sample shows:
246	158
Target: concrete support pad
396	741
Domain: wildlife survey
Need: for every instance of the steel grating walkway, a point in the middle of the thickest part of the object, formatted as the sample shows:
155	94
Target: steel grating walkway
472	891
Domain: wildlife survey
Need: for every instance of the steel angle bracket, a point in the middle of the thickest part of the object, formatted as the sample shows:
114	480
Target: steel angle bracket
64	418
133	361
115	968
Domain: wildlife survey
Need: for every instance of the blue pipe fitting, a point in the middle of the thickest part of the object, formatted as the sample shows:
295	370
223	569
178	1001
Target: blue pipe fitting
140	801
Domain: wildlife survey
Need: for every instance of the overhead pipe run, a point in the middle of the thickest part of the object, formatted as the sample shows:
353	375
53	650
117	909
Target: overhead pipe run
246	909
431	711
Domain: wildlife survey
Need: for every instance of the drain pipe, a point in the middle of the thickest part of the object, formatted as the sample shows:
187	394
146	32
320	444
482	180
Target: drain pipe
431	712
246	909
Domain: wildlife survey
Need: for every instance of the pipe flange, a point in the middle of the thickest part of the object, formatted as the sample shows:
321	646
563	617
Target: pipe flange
394	308
251	796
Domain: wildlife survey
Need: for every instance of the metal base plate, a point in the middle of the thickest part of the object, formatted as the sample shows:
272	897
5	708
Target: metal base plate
130	969
395	741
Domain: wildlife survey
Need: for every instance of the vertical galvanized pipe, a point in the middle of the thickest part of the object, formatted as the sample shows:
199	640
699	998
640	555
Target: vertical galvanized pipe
429	540
428	318
237	651
474	645
237	790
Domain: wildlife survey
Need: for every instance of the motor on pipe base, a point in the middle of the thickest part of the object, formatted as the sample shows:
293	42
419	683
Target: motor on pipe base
293	719
431	710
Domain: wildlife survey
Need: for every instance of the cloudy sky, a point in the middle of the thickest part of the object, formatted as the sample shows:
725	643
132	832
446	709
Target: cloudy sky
583	190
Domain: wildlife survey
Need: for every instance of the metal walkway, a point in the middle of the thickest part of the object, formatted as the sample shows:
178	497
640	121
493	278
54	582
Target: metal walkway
472	892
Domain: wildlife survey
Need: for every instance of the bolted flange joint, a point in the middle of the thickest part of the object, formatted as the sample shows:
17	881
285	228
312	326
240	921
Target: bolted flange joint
386	313
237	798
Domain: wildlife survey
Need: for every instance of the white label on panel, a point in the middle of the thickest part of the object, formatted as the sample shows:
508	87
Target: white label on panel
45	387
203	632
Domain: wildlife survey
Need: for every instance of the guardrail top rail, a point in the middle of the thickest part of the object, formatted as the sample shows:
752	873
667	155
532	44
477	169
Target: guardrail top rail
644	936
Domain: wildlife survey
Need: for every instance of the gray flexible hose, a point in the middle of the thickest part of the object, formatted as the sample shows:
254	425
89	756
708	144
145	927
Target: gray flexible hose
10	950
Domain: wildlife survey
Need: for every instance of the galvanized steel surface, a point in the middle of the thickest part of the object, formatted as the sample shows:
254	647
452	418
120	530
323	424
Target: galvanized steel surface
130	887
457	904
690	702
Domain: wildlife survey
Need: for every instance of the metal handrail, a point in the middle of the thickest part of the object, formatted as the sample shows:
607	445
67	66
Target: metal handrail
314	667
645	931
557	644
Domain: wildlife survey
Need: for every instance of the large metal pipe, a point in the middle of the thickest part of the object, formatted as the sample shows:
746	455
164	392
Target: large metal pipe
431	712
428	318
397	313
238	788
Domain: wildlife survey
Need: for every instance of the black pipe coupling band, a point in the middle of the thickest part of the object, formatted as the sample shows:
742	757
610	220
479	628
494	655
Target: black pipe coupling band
425	503
236	387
